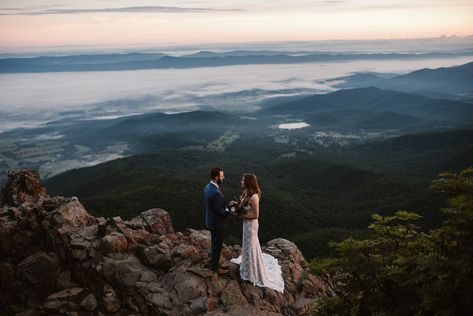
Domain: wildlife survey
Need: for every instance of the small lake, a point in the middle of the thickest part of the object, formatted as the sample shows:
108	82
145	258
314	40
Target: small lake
293	125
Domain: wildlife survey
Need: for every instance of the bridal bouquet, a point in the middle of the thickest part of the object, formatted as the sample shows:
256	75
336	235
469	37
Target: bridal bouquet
236	208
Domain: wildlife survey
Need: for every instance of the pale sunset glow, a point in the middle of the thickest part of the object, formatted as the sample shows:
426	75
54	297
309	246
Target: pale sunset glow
26	24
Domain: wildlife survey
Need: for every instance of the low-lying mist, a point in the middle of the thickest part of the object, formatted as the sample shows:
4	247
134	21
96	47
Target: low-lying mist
33	99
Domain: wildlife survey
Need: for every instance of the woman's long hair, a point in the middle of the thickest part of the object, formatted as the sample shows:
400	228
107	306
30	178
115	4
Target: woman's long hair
250	183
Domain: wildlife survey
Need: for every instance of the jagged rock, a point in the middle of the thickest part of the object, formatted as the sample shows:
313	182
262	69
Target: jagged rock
232	295
197	305
162	301
183	251
289	249
52	203
199	238
66	294
110	300
63	301
136	237
58	259
155	257
203	273
148	276
122	269
22	186
210	303
88	232
41	270
113	242
252	293
7	232
89	303
188	287
63	280
28	312
158	221
79	248
73	214
302	305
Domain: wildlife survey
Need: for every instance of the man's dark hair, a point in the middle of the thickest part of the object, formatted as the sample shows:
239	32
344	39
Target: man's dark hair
215	172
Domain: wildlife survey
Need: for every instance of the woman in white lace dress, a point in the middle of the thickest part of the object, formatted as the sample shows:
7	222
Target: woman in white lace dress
259	268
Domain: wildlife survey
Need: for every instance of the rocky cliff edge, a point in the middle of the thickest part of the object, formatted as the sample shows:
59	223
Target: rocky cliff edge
57	259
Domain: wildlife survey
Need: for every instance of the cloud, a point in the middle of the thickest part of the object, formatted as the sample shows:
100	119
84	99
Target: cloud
135	9
416	4
13	9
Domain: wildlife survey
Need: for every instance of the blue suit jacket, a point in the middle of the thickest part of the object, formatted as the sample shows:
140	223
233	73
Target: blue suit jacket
215	212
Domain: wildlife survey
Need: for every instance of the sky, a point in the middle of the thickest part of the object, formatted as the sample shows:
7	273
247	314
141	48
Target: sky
30	24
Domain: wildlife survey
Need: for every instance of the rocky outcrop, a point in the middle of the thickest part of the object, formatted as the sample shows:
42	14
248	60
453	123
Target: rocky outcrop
22	186
56	259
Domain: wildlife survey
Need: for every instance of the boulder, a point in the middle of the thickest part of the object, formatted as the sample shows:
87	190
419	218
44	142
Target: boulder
198	238
89	303
122	269
158	221
113	242
73	214
156	257
63	301
188	287
289	249
41	269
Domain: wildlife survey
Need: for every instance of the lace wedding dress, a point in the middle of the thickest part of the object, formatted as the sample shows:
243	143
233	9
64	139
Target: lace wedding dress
259	268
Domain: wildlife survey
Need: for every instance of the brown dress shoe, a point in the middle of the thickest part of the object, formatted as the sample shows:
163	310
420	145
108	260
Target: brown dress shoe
221	271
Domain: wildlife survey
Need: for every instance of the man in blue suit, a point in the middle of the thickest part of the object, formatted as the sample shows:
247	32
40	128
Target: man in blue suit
215	214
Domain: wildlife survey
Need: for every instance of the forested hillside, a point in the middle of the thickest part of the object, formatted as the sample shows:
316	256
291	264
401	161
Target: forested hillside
310	198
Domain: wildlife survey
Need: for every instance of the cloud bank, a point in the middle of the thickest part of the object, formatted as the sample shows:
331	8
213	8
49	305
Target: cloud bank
133	9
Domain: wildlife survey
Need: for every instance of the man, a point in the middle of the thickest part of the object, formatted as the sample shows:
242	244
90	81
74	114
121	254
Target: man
215	214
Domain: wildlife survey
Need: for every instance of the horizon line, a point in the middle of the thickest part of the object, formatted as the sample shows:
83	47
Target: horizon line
194	45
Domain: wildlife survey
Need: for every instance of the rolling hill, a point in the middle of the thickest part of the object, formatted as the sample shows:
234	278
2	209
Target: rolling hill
375	108
446	82
312	194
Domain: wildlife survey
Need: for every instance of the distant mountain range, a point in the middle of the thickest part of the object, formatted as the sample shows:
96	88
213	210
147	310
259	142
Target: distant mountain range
135	61
371	108
443	82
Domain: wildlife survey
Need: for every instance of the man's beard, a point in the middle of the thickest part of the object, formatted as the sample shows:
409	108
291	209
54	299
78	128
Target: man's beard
219	181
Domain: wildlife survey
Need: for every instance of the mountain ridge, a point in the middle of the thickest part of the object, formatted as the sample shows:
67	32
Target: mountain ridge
376	100
137	61
444	82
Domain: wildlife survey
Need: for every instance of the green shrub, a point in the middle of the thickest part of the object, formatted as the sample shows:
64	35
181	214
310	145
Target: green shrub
402	270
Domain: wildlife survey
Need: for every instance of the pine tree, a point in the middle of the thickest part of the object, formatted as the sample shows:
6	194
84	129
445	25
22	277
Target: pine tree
402	270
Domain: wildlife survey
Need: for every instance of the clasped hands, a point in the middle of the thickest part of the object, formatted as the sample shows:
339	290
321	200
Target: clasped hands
236	209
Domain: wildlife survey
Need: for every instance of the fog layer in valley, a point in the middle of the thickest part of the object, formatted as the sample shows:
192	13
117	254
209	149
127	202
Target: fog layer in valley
29	100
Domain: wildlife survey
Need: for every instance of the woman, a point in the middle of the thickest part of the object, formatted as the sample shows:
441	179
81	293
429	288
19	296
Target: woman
259	268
